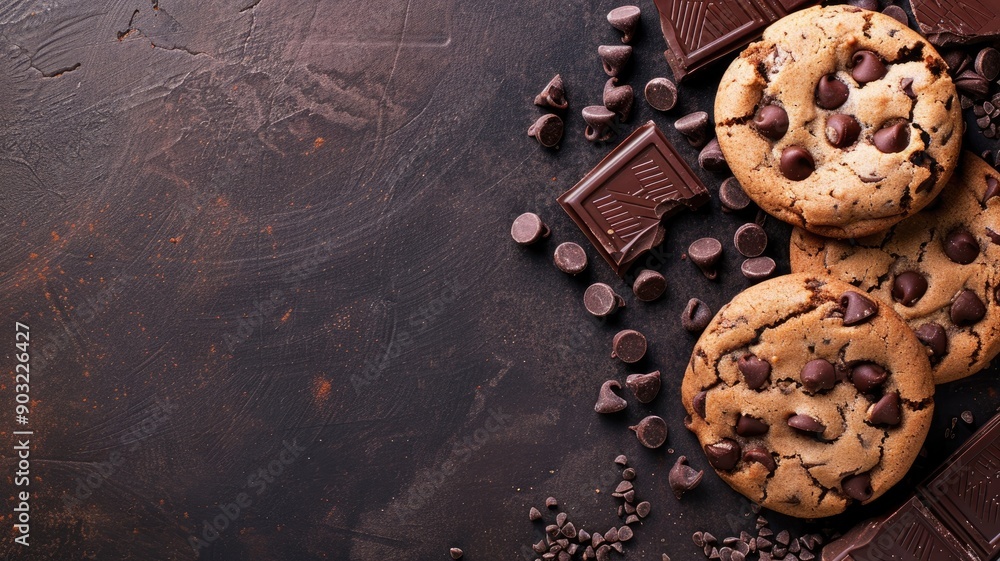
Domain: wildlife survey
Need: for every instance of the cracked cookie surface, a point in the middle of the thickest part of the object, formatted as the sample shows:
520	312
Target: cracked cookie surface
934	268
808	396
840	120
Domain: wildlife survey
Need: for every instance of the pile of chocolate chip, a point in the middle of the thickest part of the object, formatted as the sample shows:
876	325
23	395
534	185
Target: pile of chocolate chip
766	546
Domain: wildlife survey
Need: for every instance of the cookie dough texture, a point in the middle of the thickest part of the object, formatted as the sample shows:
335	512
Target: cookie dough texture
918	244
789	321
856	190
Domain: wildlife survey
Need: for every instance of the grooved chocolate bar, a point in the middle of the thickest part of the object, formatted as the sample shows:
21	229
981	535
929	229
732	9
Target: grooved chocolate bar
619	204
700	31
954	516
946	22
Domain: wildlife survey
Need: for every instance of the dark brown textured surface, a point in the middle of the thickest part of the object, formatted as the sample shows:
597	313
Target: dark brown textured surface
291	220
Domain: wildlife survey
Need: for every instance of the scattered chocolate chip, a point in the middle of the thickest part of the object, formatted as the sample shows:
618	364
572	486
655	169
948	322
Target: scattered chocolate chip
528	229
534	514
831	93
857	308
695	127
886	411
724	454
561	519
961	247
805	423
908	287
818	375
569	530
601	300
607	400
756	371
629	345
599	123
551	502
867	376
858	487
750	240
896	13
547	130
934	337
614	58
992	187
696	316
842	130
906	84
628	474
661	94
967	417
758	268
617	546
625	19
644	386
967	308
706	253
771	121
597	540
625	533
732	196
682	478
621	460
629	497
750	426
540	547
711	157
553	95
868	67
570	258
649	285
642	509
988	63
762	457
651	432
618	99
796	163
456	553
698	403
971	83
892	138
603	553
611	535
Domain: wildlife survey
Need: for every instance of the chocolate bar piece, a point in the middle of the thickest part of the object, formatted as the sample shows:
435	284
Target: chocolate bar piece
619	204
699	32
947	22
954	516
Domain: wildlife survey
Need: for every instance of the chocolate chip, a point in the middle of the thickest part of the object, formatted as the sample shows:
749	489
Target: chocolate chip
892	138
625	19
796	163
868	67
698	403
867	376
649	285
831	93
886	411
758	268
711	157
696	316
750	426
611	535
761	456
547	130
534	514
967	417
528	229
988	63
934	337
644	386
908	287
599	123
621	460
642	509
603	553
971	83
858	487
570	258
618	98
771	121
553	95
906	84
629	345
992	187
601	300
994	236
695	127
857	308
624	533
608	401
456	553
818	375
551	502
842	130
569	530
561	519
961	247
651	432
614	58
756	371
705	253
896	13
805	423
724	454
967	308
750	240
661	94
732	196
682	478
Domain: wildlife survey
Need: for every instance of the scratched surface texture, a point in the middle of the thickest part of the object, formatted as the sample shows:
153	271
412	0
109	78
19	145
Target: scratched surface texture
238	230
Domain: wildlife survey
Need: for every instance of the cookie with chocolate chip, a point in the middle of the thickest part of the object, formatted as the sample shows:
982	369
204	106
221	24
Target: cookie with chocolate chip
808	395
939	269
840	120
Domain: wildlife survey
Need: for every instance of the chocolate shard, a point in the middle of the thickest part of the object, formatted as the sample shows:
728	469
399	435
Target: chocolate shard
620	203
947	22
698	32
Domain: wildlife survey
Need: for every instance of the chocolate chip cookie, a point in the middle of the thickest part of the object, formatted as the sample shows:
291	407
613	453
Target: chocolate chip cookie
808	396
939	269
840	120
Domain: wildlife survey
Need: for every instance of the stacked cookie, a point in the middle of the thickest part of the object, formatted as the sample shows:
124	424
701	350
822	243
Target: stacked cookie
813	391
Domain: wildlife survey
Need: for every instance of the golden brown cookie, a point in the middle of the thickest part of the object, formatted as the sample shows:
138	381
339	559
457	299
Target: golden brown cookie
940	269
840	120
808	396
